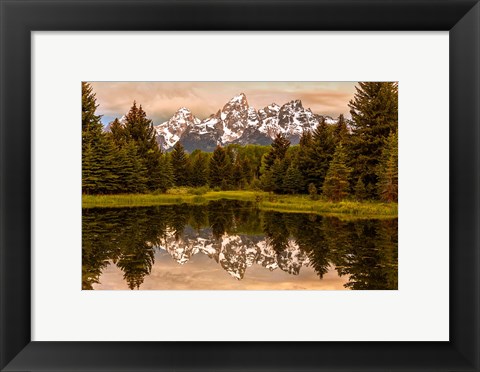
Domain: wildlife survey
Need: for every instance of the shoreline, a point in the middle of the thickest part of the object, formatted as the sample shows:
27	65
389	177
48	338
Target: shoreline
263	200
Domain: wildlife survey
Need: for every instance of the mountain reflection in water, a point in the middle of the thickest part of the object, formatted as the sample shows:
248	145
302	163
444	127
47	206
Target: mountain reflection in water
233	245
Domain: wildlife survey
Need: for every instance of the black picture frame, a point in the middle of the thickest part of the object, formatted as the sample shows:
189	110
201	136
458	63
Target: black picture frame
18	18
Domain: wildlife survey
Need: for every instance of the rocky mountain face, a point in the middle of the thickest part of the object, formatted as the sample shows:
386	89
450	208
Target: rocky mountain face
235	253
169	132
237	122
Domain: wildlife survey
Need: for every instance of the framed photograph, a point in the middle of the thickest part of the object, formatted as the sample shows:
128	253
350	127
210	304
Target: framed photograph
270	185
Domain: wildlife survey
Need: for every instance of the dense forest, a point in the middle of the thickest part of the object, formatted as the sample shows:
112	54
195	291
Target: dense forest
355	158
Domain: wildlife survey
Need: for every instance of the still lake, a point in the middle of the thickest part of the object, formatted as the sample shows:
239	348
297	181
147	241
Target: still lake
230	244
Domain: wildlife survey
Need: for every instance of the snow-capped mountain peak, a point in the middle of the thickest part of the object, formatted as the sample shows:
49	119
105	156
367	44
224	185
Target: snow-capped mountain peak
237	122
170	132
234	252
241	98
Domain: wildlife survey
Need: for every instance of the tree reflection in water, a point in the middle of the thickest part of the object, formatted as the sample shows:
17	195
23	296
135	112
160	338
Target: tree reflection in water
237	235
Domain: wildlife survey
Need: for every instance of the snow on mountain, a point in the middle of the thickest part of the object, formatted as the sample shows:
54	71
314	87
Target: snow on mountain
169	132
234	117
269	120
237	122
235	253
330	120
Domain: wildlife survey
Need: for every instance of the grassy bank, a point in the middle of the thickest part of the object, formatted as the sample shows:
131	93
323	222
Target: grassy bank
263	200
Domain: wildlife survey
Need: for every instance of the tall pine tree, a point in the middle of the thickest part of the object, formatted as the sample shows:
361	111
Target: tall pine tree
220	171
278	150
165	178
179	163
340	131
305	159
323	147
138	128
118	133
131	170
374	111
99	161
90	120
198	168
387	170
336	183
293	182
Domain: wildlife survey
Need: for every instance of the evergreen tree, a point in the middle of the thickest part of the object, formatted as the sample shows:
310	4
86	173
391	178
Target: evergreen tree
266	181
360	190
99	162
278	150
387	170
179	164
374	111
220	169
336	183
238	176
166	179
139	128
323	147
100	165
305	158
340	130
278	170
131	172
293	181
198	169
90	121
247	171
118	133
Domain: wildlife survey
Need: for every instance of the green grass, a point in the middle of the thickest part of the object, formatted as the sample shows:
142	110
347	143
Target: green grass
263	200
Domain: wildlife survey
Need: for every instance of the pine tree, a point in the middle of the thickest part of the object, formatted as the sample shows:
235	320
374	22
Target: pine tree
131	172
387	170
266	181
139	128
238	176
198	169
374	111
336	183
305	159
293	181
247	171
89	181
90	121
323	148
278	150
360	190
340	130
98	151
220	169
118	133
278	170
166	176
99	166
179	163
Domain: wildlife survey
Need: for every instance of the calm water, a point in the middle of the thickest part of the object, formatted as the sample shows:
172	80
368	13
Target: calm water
233	245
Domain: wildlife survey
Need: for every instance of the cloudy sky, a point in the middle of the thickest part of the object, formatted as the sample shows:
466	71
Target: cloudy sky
203	272
160	100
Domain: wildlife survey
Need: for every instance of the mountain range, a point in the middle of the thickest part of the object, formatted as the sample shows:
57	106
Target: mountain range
236	252
238	123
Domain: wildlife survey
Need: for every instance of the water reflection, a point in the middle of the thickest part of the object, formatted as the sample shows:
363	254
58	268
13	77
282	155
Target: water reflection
244	242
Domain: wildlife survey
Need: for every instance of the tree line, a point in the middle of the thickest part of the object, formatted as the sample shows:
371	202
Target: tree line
356	158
